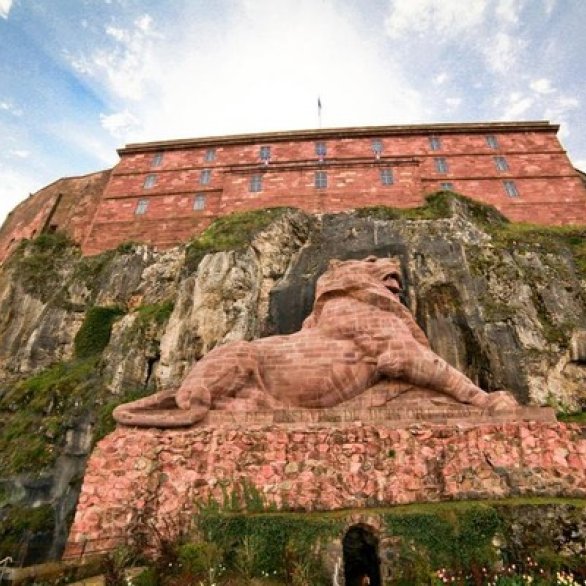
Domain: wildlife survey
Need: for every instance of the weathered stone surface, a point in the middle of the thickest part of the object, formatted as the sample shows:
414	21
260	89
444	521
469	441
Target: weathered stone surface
318	467
358	334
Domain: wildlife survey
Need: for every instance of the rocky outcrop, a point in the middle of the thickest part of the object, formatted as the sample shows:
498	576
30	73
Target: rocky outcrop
502	303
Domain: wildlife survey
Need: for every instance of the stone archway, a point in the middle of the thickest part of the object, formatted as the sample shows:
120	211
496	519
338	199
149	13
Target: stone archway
361	559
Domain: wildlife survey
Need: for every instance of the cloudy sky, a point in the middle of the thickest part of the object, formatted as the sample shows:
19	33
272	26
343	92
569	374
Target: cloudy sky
79	78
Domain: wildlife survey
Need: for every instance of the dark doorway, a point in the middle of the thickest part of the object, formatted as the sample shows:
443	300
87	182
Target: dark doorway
361	561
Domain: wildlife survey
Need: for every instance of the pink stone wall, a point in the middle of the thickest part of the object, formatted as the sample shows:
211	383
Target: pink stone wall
160	474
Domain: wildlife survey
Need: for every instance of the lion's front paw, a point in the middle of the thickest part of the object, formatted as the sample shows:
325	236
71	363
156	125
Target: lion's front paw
500	401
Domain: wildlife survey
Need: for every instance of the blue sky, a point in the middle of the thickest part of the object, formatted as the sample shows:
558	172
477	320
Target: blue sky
79	78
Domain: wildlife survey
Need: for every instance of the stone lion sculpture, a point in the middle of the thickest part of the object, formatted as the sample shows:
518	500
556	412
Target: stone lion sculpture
358	334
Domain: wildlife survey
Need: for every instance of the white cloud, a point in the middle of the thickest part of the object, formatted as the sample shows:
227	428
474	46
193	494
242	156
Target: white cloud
447	17
516	104
125	65
508	10
502	52
453	103
441	78
541	86
119	124
10	108
20	153
5	6
580	164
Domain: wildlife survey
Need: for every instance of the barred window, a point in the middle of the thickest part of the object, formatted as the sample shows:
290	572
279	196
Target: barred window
447	186
321	149
255	183
511	189
157	160
501	164
321	179
377	147
492	142
206	175
386	176
150	181
435	143
141	207
441	165
199	202
210	155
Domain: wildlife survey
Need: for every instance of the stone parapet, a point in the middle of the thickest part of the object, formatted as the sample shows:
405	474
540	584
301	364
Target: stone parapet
142	476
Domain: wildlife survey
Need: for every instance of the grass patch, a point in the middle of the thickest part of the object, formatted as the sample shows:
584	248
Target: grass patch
94	334
231	232
158	313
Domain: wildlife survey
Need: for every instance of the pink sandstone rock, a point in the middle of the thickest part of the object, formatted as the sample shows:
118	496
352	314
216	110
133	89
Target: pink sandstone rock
358	335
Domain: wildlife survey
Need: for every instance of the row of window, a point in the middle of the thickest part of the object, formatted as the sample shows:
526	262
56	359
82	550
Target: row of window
321	182
441	164
386	175
435	144
510	187
199	203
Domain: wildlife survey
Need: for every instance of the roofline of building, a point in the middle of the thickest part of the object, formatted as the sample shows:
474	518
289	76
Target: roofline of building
350	132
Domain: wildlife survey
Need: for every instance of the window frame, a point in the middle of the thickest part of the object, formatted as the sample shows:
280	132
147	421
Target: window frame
205	176
435	143
149	181
199	202
321	149
511	188
377	147
142	206
492	141
255	183
441	165
320	180
447	186
157	160
265	153
387	177
210	155
501	164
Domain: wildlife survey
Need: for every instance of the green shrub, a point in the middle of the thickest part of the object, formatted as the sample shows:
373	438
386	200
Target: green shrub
94	334
231	232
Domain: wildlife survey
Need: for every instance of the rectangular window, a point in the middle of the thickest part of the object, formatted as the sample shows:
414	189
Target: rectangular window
321	149
321	179
265	153
141	207
492	142
511	188
501	164
441	165
199	202
255	183
206	175
435	143
377	147
447	186
150	181
210	155
386	176
157	160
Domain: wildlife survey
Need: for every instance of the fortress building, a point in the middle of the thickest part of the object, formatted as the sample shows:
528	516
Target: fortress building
163	193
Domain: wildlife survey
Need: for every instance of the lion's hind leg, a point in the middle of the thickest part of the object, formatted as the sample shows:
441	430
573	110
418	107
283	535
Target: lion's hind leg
219	376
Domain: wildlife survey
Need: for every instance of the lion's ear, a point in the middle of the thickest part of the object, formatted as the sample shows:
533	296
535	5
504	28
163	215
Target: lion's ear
334	263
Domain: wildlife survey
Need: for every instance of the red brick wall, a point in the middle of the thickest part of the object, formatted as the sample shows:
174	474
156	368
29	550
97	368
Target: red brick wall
549	188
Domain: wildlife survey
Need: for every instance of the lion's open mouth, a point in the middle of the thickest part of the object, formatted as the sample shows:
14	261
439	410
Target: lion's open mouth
392	282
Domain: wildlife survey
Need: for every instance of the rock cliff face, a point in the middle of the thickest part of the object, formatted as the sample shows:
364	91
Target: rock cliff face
503	303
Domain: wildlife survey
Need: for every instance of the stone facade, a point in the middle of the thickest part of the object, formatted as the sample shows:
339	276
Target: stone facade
163	193
158	476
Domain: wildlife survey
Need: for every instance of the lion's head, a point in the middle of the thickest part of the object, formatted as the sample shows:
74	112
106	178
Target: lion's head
381	273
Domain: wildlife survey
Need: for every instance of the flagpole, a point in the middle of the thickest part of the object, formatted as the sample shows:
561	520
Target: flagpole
319	111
